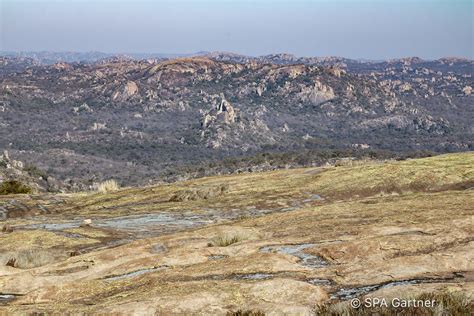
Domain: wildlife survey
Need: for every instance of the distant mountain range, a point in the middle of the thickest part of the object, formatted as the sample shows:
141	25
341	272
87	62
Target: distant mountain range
49	57
91	116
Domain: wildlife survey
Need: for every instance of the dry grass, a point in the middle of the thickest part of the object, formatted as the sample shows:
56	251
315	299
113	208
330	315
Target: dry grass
281	188
202	193
29	239
108	186
225	240
26	249
438	173
31	258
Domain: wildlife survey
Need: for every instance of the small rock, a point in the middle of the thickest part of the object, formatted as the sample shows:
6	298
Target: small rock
87	222
467	90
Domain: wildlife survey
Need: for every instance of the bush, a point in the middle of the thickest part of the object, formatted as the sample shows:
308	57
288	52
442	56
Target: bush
224	241
35	172
14	187
108	186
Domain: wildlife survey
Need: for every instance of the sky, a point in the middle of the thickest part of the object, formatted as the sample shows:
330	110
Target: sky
371	29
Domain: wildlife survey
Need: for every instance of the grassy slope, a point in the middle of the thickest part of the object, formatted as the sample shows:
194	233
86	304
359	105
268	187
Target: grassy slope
280	188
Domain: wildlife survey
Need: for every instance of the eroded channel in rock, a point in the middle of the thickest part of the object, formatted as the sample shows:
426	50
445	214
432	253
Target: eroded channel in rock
140	225
7	298
155	224
350	293
306	259
134	273
253	276
320	282
217	257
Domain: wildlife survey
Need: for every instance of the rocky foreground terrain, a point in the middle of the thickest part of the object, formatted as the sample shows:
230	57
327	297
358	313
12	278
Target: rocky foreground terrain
300	241
82	118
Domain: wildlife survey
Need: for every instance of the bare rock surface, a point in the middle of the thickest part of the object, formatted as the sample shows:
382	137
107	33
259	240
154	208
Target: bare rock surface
258	252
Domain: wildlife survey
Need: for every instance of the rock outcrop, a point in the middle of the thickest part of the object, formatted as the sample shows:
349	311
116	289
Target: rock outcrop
221	112
129	90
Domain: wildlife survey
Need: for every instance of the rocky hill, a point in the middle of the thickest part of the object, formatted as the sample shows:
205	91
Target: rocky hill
19	177
138	119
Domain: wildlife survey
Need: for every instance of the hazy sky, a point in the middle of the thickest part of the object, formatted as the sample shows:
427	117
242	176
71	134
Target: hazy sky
373	29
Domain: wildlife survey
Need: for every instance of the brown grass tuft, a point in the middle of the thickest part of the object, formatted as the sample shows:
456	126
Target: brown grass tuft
224	240
108	186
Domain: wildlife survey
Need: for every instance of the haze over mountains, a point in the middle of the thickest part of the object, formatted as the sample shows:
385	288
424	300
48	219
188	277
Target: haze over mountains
51	57
92	116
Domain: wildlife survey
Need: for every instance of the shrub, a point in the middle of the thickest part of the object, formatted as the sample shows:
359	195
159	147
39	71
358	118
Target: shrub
224	241
35	172
14	187
108	186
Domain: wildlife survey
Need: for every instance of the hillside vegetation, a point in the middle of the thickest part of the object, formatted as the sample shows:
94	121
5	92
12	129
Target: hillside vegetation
142	120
